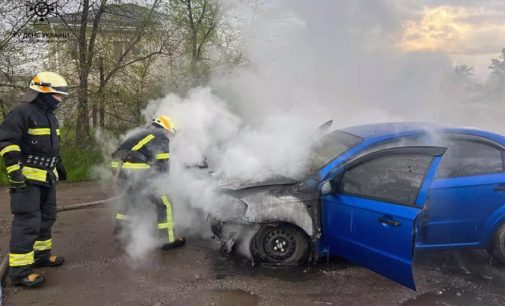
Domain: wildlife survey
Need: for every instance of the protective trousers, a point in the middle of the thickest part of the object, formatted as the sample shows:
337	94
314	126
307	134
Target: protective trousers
164	212
34	213
165	218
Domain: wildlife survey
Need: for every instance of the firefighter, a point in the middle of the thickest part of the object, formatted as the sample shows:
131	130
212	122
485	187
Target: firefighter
139	159
29	145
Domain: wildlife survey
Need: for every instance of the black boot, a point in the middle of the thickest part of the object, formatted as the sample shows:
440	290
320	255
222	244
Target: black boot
30	281
49	261
118	230
178	242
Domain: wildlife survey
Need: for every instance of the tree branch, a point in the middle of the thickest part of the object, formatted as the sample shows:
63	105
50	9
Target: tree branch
204	10
117	68
119	65
94	30
120	118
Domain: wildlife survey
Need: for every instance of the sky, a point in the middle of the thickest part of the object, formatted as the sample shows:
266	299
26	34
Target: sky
470	32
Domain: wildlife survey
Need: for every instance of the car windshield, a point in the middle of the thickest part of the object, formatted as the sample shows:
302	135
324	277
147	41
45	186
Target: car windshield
329	147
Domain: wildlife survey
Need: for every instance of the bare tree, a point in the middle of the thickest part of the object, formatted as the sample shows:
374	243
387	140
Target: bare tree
199	21
84	26
126	25
12	20
14	55
146	38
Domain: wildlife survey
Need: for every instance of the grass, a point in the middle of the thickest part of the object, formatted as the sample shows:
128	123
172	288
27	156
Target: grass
78	163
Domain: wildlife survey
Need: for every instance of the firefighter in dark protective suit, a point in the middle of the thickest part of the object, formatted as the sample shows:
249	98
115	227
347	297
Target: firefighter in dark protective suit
29	145
138	159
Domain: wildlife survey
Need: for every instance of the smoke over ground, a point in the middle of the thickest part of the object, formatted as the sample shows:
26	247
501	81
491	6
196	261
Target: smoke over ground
307	63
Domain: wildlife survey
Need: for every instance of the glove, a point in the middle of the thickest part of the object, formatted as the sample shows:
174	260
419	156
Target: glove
129	156
62	172
17	179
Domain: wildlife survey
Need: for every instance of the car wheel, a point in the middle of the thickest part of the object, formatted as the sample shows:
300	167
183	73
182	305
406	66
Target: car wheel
498	245
280	244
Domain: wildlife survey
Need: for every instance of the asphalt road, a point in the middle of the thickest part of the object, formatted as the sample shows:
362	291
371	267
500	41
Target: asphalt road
98	272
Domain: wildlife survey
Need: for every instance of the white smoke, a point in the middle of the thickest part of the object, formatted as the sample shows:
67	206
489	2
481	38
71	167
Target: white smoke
207	130
140	234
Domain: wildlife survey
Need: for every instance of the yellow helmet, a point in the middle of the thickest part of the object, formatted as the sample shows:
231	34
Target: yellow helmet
49	82
165	122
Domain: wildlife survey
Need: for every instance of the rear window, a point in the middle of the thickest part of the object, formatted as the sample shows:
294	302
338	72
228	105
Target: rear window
466	157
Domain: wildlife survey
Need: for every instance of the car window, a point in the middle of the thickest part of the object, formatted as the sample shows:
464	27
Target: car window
470	157
404	141
392	178
329	147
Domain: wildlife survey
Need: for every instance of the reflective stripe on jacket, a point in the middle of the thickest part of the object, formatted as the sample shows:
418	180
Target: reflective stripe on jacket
30	129
152	144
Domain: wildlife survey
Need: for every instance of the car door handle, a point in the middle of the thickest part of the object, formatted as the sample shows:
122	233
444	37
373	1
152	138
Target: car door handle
389	221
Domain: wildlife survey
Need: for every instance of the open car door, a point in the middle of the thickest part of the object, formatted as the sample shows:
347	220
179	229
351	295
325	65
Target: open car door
370	206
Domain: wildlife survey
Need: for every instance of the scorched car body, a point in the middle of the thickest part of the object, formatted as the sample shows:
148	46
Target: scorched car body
374	194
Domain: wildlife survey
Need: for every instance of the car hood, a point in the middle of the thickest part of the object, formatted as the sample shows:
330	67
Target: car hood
274	203
276	194
235	185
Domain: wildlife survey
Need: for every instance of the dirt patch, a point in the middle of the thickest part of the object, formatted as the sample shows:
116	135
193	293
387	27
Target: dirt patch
455	296
224	297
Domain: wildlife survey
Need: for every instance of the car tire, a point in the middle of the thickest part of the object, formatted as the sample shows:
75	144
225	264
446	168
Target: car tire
280	245
497	249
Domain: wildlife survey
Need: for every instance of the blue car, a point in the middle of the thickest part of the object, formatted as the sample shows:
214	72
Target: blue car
373	194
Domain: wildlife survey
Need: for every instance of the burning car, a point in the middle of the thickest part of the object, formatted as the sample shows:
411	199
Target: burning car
373	195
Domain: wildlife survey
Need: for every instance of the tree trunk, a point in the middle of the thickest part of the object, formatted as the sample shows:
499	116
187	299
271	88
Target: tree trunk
101	92
82	126
94	114
101	110
86	50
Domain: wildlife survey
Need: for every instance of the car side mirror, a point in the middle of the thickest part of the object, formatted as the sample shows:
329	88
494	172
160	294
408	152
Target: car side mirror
326	188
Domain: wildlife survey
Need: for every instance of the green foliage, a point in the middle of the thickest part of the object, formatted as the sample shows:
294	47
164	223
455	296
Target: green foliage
3	175
79	162
198	20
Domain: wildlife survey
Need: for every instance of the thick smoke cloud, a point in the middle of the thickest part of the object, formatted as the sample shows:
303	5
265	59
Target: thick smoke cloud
341	59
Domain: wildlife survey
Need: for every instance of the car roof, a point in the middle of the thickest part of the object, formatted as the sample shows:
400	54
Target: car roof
395	129
386	128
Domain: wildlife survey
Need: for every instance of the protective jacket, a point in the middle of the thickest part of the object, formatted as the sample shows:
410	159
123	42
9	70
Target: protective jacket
146	150
29	140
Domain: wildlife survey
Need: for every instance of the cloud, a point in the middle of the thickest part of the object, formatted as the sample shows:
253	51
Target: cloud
437	30
455	29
